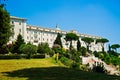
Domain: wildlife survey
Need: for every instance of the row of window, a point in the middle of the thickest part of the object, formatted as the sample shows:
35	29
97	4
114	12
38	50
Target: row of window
42	39
39	33
12	22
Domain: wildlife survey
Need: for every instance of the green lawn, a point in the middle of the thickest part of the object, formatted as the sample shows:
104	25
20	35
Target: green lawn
45	69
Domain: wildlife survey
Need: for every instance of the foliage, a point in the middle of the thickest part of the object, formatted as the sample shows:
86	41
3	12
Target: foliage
43	48
71	36
107	59
71	47
115	46
38	56
75	65
98	67
102	41
5	27
78	45
5	31
57	48
28	49
83	51
4	49
87	41
115	60
65	61
58	40
18	43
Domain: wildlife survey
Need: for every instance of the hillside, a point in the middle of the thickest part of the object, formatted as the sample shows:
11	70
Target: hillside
45	69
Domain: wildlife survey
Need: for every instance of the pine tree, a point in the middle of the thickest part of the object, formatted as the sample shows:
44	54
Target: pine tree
58	40
18	43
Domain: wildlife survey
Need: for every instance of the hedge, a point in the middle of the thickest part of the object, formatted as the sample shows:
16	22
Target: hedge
20	56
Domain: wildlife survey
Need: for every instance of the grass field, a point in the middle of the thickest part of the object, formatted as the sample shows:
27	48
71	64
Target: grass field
45	69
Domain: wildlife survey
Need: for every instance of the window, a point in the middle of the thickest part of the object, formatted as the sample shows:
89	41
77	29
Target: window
27	37
35	34
43	39
51	40
19	23
12	22
19	30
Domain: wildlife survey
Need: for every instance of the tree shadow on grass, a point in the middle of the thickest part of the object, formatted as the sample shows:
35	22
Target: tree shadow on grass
58	73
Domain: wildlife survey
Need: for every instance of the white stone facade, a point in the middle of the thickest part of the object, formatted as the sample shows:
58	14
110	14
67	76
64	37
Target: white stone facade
37	34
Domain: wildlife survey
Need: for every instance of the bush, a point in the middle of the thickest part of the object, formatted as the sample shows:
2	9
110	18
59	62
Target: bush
10	56
98	67
75	65
65	61
43	48
35	56
84	67
28	49
21	56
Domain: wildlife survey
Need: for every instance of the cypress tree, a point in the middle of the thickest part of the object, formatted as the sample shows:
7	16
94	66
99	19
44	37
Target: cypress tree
58	40
78	45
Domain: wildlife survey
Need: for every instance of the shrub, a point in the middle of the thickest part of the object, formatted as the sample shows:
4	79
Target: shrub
83	67
98	67
35	56
10	56
43	48
65	61
75	65
28	49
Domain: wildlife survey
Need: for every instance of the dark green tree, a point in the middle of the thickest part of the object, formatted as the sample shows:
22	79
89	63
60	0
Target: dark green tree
5	27
78	45
43	48
102	41
17	44
87	41
70	37
115	46
58	40
28	49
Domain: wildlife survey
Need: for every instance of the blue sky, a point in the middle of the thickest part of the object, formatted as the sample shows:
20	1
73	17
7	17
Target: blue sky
96	17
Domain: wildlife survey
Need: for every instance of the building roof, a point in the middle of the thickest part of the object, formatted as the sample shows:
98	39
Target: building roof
14	17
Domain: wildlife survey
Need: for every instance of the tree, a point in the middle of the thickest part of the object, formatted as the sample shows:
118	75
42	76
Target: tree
58	40
87	41
17	44
102	41
28	49
71	36
43	48
115	46
78	45
5	27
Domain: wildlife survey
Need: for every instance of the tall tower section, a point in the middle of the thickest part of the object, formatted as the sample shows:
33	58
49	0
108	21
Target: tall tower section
18	27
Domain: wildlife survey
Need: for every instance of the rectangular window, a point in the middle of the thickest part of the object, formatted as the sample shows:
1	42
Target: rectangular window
19	30
12	22
27	37
19	23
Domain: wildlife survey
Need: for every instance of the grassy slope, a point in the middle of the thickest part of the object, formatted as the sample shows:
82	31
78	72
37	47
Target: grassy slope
44	69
